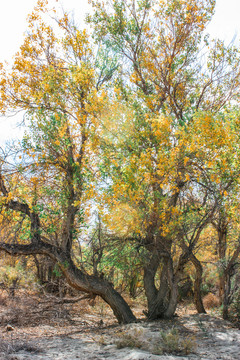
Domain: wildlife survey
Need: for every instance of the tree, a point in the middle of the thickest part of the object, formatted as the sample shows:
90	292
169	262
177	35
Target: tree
54	79
164	77
214	140
143	146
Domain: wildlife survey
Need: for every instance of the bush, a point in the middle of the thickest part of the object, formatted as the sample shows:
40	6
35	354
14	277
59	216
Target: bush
211	301
173	343
13	277
169	342
131	340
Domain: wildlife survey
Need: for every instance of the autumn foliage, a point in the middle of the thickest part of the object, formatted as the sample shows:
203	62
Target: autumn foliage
128	174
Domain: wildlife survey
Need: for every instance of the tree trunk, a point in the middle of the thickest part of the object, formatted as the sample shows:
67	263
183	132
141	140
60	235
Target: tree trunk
222	244
149	283
197	285
173	280
97	286
119	306
173	301
133	286
227	289
162	302
228	273
77	278
155	297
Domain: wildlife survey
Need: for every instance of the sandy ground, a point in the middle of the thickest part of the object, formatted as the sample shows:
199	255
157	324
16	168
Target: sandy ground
92	333
215	339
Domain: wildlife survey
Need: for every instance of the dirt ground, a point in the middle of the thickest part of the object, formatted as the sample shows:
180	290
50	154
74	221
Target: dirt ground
35	328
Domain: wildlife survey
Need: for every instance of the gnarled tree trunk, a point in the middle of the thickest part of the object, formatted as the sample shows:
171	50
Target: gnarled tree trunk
197	284
76	278
61	254
162	301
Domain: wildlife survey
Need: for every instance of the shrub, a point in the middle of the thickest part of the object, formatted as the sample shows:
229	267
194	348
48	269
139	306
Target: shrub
131	340
173	343
13	277
211	301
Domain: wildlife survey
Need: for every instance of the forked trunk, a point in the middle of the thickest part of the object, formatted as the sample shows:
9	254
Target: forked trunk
156	298
162	302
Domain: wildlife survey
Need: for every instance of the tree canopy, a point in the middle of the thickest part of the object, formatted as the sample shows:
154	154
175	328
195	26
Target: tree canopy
137	122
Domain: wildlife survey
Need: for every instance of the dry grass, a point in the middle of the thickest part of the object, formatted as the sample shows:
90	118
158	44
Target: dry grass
169	341
10	347
31	310
173	343
26	310
211	301
3	300
45	318
131	340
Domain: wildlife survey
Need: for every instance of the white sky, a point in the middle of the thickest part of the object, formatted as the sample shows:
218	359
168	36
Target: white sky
225	25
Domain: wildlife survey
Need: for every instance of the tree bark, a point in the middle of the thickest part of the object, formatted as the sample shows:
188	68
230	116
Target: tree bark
149	283
227	289
228	273
162	302
173	280
173	301
222	245
157	298
197	285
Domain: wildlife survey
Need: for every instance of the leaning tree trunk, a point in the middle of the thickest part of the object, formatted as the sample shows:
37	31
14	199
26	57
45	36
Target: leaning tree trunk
61	254
197	285
75	277
104	289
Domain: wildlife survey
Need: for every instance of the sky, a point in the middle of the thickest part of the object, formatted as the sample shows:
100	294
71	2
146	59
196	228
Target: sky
225	25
